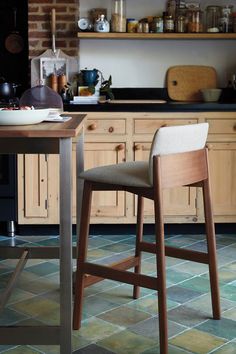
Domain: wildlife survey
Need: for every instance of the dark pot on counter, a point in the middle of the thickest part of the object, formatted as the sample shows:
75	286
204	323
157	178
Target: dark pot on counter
7	90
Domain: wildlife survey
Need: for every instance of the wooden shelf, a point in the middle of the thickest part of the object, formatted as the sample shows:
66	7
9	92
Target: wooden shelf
192	36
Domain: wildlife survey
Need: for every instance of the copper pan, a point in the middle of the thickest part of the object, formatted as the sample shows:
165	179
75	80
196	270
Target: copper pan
14	42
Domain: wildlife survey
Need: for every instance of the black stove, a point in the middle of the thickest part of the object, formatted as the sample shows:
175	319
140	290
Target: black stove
14	69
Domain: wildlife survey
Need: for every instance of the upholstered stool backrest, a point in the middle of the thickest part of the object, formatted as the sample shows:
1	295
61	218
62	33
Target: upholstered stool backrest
177	139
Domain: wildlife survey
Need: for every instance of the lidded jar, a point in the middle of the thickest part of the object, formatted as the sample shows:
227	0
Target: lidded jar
118	16
212	18
195	21
226	19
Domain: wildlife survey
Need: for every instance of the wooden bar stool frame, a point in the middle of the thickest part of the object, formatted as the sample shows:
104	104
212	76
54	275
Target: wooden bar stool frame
181	169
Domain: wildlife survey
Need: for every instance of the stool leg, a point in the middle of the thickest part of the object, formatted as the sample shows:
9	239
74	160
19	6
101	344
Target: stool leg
211	244
139	236
82	254
160	257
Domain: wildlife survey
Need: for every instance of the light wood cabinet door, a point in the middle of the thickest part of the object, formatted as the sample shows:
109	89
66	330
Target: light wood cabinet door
222	160
104	204
177	201
38	186
33	186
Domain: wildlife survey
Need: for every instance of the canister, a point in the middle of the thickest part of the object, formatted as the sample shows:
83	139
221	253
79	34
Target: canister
157	24
194	18
118	16
132	25
226	19
212	18
168	25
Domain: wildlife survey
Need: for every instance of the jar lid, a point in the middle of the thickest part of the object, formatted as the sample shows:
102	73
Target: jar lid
213	7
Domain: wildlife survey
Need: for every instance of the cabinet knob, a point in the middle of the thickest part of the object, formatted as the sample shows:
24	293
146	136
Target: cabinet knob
209	146
92	126
120	147
138	147
111	130
234	127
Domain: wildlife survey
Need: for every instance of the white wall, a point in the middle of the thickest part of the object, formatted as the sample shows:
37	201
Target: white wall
143	63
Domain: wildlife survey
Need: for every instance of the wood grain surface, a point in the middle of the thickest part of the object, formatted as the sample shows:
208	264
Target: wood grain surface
185	81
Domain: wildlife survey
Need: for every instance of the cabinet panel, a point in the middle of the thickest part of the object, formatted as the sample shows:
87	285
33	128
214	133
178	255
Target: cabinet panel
149	126
222	126
105	204
222	159
176	201
35	186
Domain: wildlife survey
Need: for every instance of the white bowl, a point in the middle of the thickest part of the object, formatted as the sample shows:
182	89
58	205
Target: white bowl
23	117
211	95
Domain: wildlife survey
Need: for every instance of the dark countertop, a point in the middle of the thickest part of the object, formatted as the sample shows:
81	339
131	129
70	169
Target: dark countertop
226	103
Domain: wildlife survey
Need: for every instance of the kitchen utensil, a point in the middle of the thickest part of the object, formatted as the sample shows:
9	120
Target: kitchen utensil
14	42
185	81
23	117
211	95
41	97
52	61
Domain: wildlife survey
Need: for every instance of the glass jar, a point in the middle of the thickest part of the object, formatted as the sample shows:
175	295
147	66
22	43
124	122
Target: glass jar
212	18
131	25
157	24
180	24
234	22
118	16
168	23
195	21
226	19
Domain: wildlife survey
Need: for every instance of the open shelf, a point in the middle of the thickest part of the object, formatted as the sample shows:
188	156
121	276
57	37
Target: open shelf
192	36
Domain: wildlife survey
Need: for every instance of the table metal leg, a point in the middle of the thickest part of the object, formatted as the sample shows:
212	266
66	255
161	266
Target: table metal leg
66	245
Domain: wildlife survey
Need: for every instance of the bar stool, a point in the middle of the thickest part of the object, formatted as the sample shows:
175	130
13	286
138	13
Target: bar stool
178	157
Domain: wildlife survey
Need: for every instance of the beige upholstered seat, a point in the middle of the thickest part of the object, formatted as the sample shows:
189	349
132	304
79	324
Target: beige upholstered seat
178	157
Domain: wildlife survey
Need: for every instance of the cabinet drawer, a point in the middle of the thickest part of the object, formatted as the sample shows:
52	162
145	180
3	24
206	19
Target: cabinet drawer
106	126
222	126
149	126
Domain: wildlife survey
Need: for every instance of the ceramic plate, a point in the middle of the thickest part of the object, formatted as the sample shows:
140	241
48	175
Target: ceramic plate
23	117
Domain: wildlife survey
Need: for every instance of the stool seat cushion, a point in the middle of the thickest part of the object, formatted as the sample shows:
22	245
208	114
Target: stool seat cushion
131	174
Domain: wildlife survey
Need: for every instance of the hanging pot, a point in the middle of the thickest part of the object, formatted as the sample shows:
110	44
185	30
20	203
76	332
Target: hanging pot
14	42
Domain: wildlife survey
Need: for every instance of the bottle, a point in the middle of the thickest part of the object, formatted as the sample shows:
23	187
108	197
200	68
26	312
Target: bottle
118	16
212	19
168	23
171	8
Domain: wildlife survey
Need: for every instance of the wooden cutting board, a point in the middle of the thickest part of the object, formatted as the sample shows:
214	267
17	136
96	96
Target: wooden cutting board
133	101
185	81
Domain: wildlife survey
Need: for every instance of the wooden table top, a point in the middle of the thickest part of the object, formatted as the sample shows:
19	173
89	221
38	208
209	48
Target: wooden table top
69	129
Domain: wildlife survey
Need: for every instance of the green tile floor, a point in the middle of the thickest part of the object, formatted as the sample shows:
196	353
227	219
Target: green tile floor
112	321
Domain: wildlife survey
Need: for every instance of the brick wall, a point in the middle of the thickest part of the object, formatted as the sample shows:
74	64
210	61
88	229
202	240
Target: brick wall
40	27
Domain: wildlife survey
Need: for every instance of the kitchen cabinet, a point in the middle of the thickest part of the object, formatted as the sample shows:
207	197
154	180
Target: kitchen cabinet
38	187
113	137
